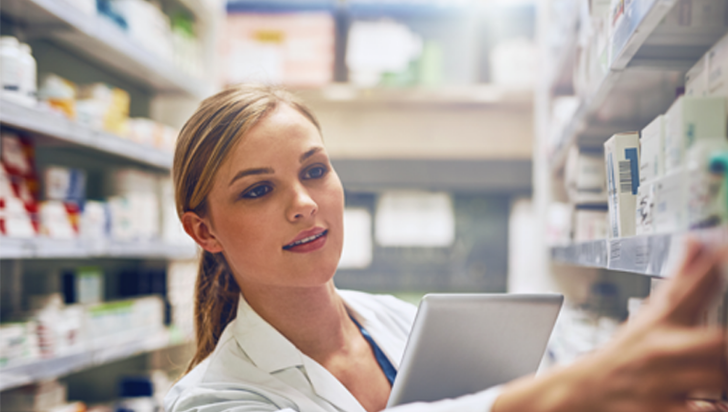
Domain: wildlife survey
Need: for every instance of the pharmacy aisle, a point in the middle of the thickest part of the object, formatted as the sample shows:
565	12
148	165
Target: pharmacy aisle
631	115
92	258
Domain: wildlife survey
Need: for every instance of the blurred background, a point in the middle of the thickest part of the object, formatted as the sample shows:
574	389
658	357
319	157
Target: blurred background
469	136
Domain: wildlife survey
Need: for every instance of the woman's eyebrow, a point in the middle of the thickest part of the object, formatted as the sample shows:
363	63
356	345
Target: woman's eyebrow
248	172
309	154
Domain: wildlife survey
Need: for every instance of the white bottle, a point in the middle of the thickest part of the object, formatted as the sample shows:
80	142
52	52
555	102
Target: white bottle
10	75
28	75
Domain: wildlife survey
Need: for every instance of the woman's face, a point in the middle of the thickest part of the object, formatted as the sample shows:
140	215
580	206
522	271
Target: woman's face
276	206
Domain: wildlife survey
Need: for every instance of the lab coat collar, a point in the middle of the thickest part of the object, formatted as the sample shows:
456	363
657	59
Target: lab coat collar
267	348
271	351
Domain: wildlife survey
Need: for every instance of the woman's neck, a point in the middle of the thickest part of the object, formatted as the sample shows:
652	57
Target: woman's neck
314	319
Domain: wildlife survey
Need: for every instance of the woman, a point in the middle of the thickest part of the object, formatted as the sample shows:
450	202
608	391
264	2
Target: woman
256	190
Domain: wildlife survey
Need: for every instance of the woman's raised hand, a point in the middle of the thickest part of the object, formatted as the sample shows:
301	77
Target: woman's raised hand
657	362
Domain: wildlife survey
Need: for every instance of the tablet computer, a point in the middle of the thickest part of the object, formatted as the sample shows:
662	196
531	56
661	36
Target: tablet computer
465	343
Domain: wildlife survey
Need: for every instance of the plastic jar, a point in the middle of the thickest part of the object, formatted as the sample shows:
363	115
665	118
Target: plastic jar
10	66
29	75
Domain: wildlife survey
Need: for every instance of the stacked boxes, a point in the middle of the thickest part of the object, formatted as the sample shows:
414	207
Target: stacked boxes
56	330
677	189
18	186
586	187
100	106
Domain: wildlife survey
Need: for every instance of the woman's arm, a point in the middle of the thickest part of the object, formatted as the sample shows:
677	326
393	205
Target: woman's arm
653	364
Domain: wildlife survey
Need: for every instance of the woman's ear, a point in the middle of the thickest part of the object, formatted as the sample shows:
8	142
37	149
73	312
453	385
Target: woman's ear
199	229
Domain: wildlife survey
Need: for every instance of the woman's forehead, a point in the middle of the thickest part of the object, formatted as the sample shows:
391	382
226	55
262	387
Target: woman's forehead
282	132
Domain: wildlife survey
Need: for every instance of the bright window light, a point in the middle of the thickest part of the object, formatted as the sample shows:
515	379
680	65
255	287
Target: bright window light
415	219
357	252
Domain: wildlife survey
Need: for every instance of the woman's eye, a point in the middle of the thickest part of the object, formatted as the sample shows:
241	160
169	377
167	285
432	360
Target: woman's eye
257	192
315	172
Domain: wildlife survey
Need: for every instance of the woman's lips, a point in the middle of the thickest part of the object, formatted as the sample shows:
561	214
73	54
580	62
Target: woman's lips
308	243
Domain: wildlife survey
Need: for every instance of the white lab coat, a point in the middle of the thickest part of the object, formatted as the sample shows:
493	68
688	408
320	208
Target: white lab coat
254	368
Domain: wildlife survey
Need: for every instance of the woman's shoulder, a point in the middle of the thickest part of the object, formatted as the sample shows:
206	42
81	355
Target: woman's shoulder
225	380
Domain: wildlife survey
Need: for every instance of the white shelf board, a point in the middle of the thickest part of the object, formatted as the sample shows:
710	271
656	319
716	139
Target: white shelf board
649	61
476	94
653	255
18	375
56	126
45	248
100	40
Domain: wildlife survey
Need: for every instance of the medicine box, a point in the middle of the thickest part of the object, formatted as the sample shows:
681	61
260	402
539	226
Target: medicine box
584	176
65	184
688	120
590	224
716	60
296	49
706	191
671	203
645	213
622	154
652	156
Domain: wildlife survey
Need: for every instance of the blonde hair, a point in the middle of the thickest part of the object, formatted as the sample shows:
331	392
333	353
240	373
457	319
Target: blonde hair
203	145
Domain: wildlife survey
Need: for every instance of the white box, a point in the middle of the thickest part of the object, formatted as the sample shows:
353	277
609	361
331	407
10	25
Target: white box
652	150
670	214
645	213
590	224
296	49
584	176
716	60
688	120
706	191
622	156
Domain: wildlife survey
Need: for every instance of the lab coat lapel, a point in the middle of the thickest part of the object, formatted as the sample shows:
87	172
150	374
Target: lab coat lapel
328	387
267	348
271	351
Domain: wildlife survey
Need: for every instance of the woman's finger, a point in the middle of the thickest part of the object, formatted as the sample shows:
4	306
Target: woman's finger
686	296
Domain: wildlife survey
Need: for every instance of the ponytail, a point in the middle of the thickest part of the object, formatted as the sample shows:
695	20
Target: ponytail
216	304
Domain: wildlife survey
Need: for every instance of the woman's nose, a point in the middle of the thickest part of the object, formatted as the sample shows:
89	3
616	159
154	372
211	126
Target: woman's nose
302	205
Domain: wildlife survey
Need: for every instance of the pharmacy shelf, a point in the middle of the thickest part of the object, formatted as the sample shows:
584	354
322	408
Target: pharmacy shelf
649	59
45	248
56	126
478	94
100	40
591	254
18	375
653	255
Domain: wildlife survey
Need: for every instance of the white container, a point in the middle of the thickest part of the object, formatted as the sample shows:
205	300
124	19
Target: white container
584	177
670	213
652	145
29	75
590	224
645	213
706	194
10	64
688	120
622	156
